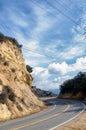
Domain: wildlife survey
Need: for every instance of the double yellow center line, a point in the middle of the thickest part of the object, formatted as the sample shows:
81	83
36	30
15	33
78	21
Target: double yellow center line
44	119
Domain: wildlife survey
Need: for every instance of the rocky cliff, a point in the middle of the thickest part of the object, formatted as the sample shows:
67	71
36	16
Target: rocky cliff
16	98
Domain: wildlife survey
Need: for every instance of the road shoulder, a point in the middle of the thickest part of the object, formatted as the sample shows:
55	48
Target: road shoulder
78	124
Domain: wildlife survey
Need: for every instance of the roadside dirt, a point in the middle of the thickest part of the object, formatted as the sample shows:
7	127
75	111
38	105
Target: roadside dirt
77	124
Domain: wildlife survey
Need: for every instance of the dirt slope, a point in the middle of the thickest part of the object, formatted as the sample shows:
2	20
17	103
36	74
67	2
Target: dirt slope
16	98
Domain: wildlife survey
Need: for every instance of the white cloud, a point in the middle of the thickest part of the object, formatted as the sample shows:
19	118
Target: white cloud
40	73
80	64
61	79
31	58
58	68
41	76
64	68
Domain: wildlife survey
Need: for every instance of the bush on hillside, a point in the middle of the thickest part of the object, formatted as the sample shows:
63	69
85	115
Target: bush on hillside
75	85
13	40
1	82
3	98
29	68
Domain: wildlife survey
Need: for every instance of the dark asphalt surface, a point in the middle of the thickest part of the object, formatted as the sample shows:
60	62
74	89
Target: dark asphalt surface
59	112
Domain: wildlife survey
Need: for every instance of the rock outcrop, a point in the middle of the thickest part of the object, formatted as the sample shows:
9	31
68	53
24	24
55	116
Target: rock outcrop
16	97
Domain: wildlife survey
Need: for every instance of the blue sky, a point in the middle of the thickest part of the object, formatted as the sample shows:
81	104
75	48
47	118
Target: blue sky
51	32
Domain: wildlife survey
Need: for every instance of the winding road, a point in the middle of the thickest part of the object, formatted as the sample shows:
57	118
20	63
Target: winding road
60	112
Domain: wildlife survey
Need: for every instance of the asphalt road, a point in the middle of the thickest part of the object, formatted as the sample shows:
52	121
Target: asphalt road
60	112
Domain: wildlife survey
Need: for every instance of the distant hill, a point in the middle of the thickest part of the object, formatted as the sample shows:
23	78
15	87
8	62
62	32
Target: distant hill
74	88
42	93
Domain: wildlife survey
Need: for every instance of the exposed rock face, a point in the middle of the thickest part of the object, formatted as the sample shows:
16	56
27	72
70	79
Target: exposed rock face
16	97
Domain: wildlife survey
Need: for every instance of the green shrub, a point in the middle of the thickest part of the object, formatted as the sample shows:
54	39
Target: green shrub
3	98
19	107
13	70
29	68
13	40
1	37
6	63
12	97
1	82
75	85
10	94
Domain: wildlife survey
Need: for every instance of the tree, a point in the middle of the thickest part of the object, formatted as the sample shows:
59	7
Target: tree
75	85
29	68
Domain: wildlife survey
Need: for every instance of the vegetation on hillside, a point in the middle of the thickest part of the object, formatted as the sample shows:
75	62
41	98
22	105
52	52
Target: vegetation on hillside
3	38
6	93
0	82
75	86
29	68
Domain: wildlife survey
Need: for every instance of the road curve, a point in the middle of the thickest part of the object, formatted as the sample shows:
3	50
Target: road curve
60	112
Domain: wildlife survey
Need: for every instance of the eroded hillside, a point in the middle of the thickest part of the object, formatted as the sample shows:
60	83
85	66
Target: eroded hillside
16	98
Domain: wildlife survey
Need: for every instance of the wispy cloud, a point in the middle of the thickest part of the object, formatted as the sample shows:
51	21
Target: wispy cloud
73	52
18	19
43	22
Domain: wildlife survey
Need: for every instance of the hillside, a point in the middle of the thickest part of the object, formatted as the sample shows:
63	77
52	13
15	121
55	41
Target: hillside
16	97
42	93
74	88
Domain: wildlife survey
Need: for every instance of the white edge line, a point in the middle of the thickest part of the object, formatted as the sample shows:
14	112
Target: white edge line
69	119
